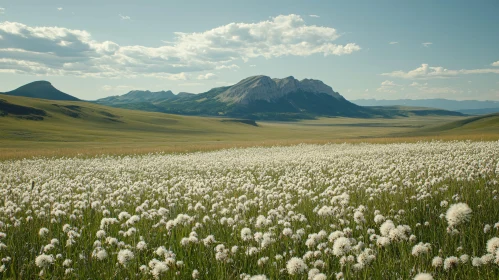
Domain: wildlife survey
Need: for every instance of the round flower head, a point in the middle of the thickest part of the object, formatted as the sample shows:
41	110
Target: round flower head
43	261
246	234
43	231
423	276
125	256
437	262
457	214
259	277
493	245
296	266
450	262
195	274
341	246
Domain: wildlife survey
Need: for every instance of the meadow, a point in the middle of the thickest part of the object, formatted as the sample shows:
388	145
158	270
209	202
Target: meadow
87	129
423	210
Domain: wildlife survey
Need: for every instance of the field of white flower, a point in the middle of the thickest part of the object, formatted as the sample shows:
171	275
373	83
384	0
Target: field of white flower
351	211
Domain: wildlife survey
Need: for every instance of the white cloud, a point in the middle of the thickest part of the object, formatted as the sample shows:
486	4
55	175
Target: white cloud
388	83
388	87
64	51
207	76
393	43
426	72
314	16
495	63
252	65
367	90
177	77
59	9
230	67
427	44
124	17
416	84
415	87
2	11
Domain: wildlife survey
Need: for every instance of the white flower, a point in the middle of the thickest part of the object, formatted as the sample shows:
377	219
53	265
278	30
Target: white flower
477	262
259	277
287	232
493	245
100	234
43	231
464	258
100	254
296	266
379	219
210	239
195	274
423	276
246	234
458	213
159	269
125	256
450	262
386	227
341	246
67	263
437	262
420	249
383	241
44	261
141	246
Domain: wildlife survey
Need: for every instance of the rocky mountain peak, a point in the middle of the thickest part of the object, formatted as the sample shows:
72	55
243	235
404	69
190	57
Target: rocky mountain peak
267	89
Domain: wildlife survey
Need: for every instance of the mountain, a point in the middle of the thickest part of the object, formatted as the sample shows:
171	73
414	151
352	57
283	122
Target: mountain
42	90
137	96
464	106
263	98
257	98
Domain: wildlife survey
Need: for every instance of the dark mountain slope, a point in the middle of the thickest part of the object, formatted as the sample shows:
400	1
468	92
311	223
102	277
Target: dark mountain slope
42	90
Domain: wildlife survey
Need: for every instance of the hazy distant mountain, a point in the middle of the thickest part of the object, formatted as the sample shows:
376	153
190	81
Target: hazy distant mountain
260	97
465	106
43	90
137	96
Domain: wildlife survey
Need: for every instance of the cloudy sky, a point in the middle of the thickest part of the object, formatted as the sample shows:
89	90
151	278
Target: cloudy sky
363	49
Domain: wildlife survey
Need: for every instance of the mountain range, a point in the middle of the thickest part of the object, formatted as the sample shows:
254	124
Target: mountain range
260	98
471	107
256	98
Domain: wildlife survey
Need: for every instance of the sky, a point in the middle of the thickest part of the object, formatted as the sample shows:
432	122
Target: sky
362	49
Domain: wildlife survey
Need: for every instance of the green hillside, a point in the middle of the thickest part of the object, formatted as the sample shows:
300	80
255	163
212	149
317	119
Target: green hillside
32	126
485	123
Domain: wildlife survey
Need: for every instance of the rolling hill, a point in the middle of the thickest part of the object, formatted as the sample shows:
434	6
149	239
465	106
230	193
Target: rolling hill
31	126
43	90
482	123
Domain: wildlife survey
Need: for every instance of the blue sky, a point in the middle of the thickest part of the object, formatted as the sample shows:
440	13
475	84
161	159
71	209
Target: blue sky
363	49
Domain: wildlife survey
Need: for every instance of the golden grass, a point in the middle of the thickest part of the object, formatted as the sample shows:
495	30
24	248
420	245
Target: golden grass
126	148
139	132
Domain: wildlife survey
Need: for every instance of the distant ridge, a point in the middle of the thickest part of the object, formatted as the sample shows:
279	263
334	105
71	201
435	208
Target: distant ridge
137	96
477	107
42	90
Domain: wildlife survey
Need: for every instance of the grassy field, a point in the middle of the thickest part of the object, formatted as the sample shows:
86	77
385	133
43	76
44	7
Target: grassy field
72	128
418	211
